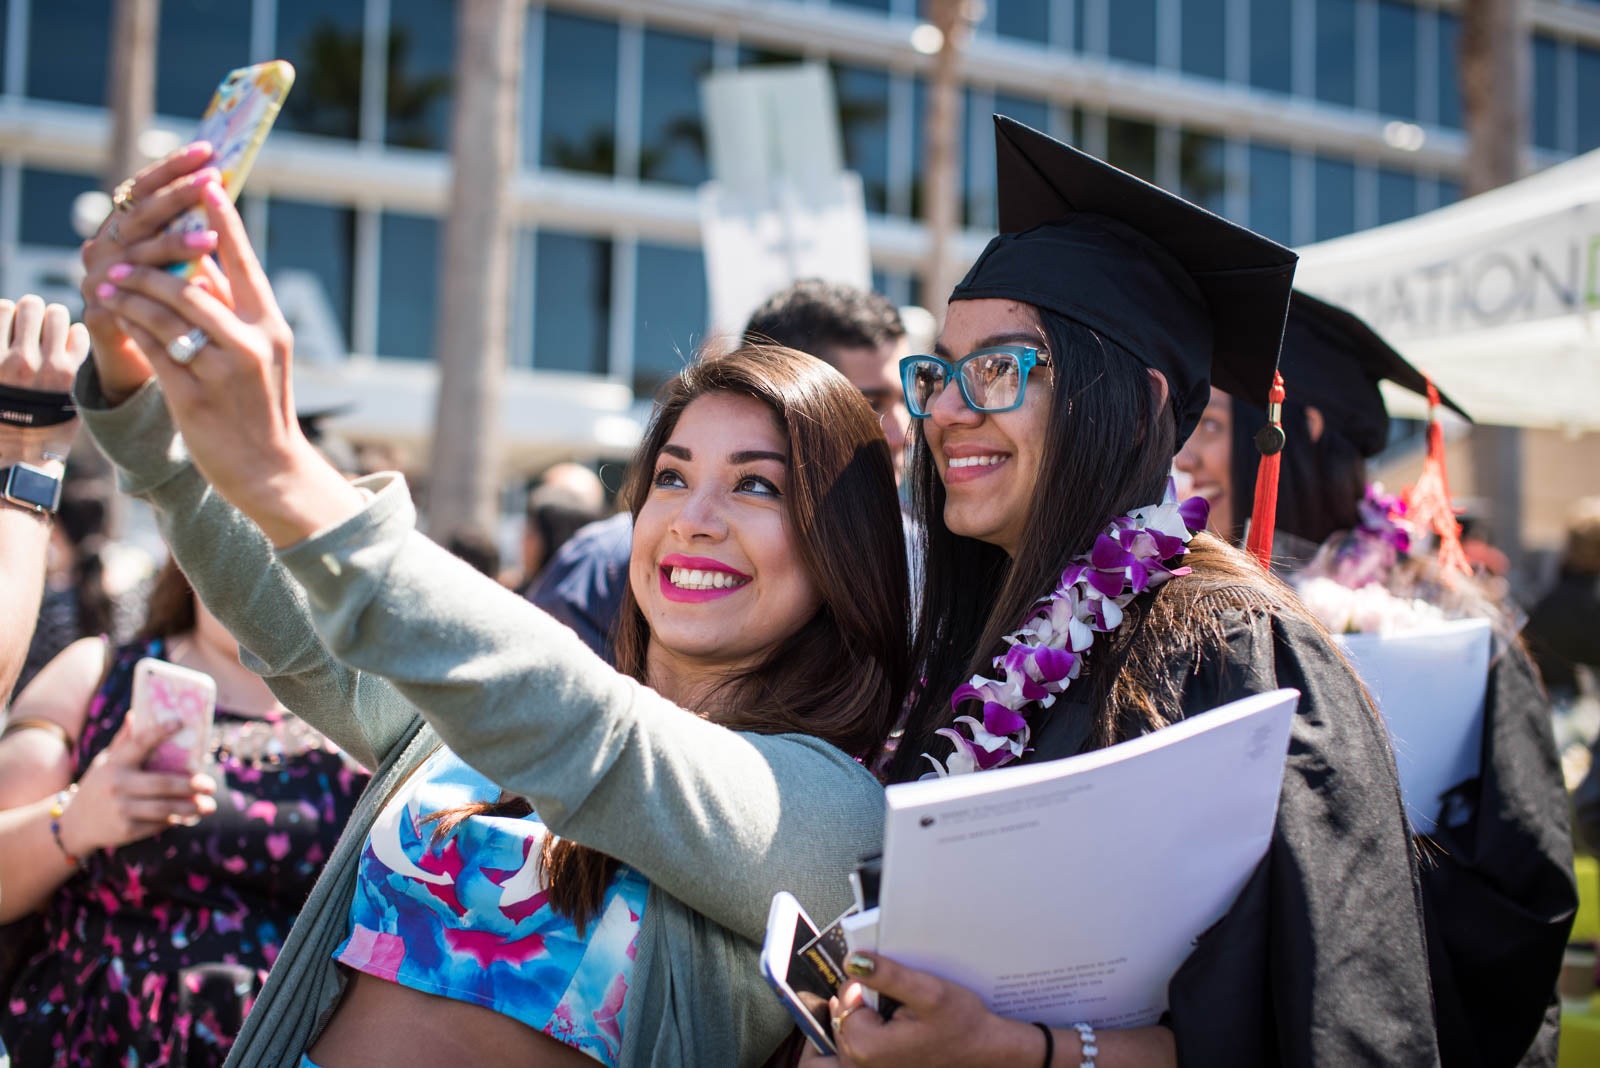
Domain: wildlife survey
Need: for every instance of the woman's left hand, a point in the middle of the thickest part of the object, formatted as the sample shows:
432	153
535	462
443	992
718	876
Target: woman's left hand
233	398
938	1023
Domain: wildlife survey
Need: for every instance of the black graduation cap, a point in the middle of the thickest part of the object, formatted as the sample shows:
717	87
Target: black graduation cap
1187	292
1333	361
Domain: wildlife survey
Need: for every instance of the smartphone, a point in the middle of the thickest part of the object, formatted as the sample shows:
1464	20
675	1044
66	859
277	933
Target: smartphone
236	124
165	693
804	981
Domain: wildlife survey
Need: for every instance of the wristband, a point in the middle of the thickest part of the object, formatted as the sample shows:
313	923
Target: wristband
1086	1040
57	810
1049	1043
29	408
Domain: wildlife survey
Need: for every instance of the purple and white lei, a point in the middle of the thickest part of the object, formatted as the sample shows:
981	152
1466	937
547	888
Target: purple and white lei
1045	654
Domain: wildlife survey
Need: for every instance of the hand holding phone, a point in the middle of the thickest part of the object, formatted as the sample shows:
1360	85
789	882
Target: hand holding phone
803	977
236	124
163	694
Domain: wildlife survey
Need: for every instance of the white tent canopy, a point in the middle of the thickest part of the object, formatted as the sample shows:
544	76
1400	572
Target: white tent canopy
1497	298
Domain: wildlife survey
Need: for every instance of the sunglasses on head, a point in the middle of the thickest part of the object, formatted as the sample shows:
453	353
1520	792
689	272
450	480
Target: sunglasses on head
990	380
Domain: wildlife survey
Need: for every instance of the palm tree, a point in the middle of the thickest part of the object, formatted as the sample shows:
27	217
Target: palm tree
1493	64
131	85
475	267
941	161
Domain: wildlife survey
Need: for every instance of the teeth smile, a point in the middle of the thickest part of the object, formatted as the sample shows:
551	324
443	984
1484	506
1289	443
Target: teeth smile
687	579
975	461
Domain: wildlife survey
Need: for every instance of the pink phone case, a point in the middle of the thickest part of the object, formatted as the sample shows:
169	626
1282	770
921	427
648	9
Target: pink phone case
165	693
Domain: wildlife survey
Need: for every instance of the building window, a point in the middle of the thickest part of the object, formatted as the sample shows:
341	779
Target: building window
408	287
1449	53
1203	169
578	117
1336	198
1271	192
1272	45
314	243
919	147
865	5
1205	38
422	41
67	49
324	39
1397	195
672	142
572	293
862	96
1546	93
1133	30
46	215
1025	20
1397	59
1336	52
1587	99
1449	191
197	41
670	311
1131	145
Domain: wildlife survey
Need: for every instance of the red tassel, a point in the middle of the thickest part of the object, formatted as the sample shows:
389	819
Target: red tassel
1264	517
1428	502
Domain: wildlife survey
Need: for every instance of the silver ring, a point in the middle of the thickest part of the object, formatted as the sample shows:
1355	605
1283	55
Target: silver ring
183	349
111	230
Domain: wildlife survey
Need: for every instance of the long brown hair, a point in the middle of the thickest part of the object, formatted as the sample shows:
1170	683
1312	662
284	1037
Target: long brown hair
840	676
1108	449
170	610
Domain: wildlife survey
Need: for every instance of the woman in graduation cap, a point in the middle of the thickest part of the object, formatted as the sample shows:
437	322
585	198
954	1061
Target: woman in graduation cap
1076	357
1498	891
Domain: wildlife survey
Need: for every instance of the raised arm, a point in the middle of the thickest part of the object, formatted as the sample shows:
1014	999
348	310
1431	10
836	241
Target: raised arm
226	557
39	350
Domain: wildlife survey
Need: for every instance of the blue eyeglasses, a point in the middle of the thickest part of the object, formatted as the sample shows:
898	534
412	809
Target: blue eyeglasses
991	380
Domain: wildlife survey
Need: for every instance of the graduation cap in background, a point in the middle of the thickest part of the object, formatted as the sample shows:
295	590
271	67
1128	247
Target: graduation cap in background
339	452
1188	293
1333	361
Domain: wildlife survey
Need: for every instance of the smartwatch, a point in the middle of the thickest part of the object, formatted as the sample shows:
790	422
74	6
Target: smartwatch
30	487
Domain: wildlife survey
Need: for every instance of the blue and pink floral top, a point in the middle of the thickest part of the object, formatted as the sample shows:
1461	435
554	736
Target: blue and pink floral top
465	914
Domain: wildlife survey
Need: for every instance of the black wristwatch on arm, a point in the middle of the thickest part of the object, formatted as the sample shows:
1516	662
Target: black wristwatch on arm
33	488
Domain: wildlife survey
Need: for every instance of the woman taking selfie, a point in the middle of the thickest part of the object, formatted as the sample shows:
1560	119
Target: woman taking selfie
1082	345
453	925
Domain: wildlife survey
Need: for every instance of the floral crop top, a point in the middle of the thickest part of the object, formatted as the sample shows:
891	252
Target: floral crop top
468	916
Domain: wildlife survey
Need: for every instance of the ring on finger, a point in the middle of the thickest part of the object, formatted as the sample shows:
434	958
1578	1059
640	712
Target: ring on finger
839	1019
122	196
111	231
184	349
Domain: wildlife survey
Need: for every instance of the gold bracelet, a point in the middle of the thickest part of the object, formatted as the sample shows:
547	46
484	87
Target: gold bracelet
58	809
49	726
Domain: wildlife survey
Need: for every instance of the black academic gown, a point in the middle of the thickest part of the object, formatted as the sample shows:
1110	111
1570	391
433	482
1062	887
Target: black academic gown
1322	960
1497	886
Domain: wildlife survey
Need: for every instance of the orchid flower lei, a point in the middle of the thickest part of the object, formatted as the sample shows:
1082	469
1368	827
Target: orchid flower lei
1383	516
1045	654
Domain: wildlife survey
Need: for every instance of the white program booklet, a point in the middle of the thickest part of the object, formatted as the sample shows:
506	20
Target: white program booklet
1072	890
1430	686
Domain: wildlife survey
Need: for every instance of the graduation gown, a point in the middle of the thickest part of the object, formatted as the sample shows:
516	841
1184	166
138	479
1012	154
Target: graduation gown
1322	959
1498	889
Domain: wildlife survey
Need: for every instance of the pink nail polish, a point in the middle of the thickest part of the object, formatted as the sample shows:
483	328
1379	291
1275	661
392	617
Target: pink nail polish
201	239
207	174
119	271
105	290
215	195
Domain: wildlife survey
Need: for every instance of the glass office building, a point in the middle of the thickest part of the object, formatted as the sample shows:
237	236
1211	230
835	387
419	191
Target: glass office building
1305	119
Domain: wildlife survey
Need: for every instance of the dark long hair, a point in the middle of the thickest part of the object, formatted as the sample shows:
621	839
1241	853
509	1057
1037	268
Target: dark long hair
1109	449
839	677
1321	482
170	610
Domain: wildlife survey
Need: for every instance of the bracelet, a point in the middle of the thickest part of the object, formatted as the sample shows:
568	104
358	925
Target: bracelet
1049	1043
1086	1040
57	810
37	724
35	407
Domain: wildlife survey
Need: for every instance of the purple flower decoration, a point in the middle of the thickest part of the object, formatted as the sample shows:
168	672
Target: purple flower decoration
1133	554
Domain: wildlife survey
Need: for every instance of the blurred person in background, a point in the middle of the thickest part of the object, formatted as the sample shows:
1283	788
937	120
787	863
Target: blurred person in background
856	331
567	498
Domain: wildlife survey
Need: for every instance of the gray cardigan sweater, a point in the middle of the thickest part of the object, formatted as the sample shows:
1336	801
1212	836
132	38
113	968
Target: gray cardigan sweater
388	644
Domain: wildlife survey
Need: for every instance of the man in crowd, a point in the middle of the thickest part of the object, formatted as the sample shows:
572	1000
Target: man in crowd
856	331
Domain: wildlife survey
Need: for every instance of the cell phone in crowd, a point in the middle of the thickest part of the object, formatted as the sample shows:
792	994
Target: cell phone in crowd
800	970
236	124
166	693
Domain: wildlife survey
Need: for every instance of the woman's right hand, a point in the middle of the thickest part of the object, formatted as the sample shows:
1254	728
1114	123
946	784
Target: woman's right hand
118	802
158	194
